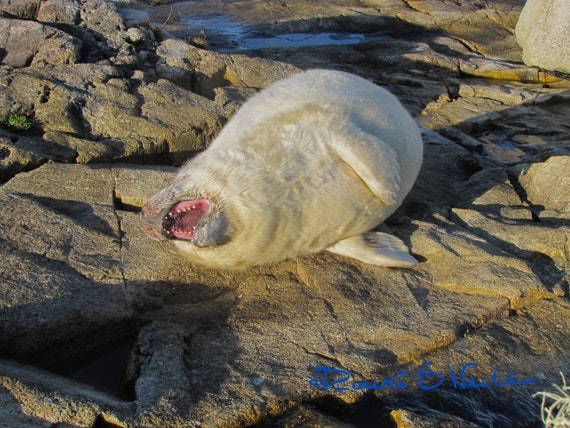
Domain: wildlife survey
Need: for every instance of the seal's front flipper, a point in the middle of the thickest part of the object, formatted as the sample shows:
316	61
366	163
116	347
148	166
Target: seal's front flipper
375	248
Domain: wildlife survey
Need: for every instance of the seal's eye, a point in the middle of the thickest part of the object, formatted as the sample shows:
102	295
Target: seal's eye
181	220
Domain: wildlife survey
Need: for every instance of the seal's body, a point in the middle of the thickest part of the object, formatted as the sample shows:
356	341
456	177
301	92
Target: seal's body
311	163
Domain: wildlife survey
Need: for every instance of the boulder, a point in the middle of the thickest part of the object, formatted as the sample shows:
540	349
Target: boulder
134	17
546	186
14	160
60	12
543	33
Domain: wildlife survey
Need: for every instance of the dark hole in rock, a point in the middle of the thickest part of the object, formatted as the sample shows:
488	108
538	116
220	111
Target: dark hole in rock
370	411
103	422
366	412
121	206
103	368
329	410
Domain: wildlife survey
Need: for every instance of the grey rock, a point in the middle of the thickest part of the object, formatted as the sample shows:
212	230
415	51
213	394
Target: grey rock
518	339
202	71
547	199
24	9
543	33
87	117
491	207
60	12
407	418
14	159
134	17
28	43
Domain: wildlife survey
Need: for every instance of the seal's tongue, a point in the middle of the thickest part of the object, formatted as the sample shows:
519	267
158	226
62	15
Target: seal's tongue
181	220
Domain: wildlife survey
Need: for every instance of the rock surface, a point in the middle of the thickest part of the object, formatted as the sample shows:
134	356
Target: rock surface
544	34
101	326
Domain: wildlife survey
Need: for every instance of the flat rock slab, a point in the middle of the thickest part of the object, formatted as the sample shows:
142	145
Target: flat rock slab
216	347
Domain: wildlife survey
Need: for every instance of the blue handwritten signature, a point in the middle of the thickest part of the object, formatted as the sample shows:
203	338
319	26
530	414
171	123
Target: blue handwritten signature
332	379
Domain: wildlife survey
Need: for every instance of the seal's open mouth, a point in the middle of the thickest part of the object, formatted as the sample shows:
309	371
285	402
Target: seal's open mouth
181	220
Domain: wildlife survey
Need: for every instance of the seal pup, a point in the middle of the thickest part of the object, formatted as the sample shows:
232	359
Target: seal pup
312	163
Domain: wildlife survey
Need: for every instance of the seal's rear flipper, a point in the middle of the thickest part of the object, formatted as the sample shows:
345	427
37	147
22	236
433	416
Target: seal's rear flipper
375	248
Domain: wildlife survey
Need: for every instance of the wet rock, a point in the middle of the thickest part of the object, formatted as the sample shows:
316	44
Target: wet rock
542	32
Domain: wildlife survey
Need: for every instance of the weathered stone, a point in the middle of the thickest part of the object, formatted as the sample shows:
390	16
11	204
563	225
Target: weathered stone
30	43
203	71
191	120
544	35
408	419
436	187
14	160
60	12
515	345
118	118
46	149
134	17
72	210
62	237
231	98
23	9
107	150
546	186
491	208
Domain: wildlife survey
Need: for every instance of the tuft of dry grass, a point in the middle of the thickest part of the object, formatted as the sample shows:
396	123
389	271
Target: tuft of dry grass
555	408
199	40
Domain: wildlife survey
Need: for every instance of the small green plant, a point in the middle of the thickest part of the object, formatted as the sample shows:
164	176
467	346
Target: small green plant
17	121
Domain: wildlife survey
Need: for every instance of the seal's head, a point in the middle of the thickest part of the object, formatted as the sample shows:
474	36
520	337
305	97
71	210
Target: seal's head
187	217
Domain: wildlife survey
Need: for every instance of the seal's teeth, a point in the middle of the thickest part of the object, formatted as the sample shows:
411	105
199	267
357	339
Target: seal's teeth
180	232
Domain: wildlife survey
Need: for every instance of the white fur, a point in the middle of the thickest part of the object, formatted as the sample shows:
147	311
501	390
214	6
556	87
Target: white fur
309	161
